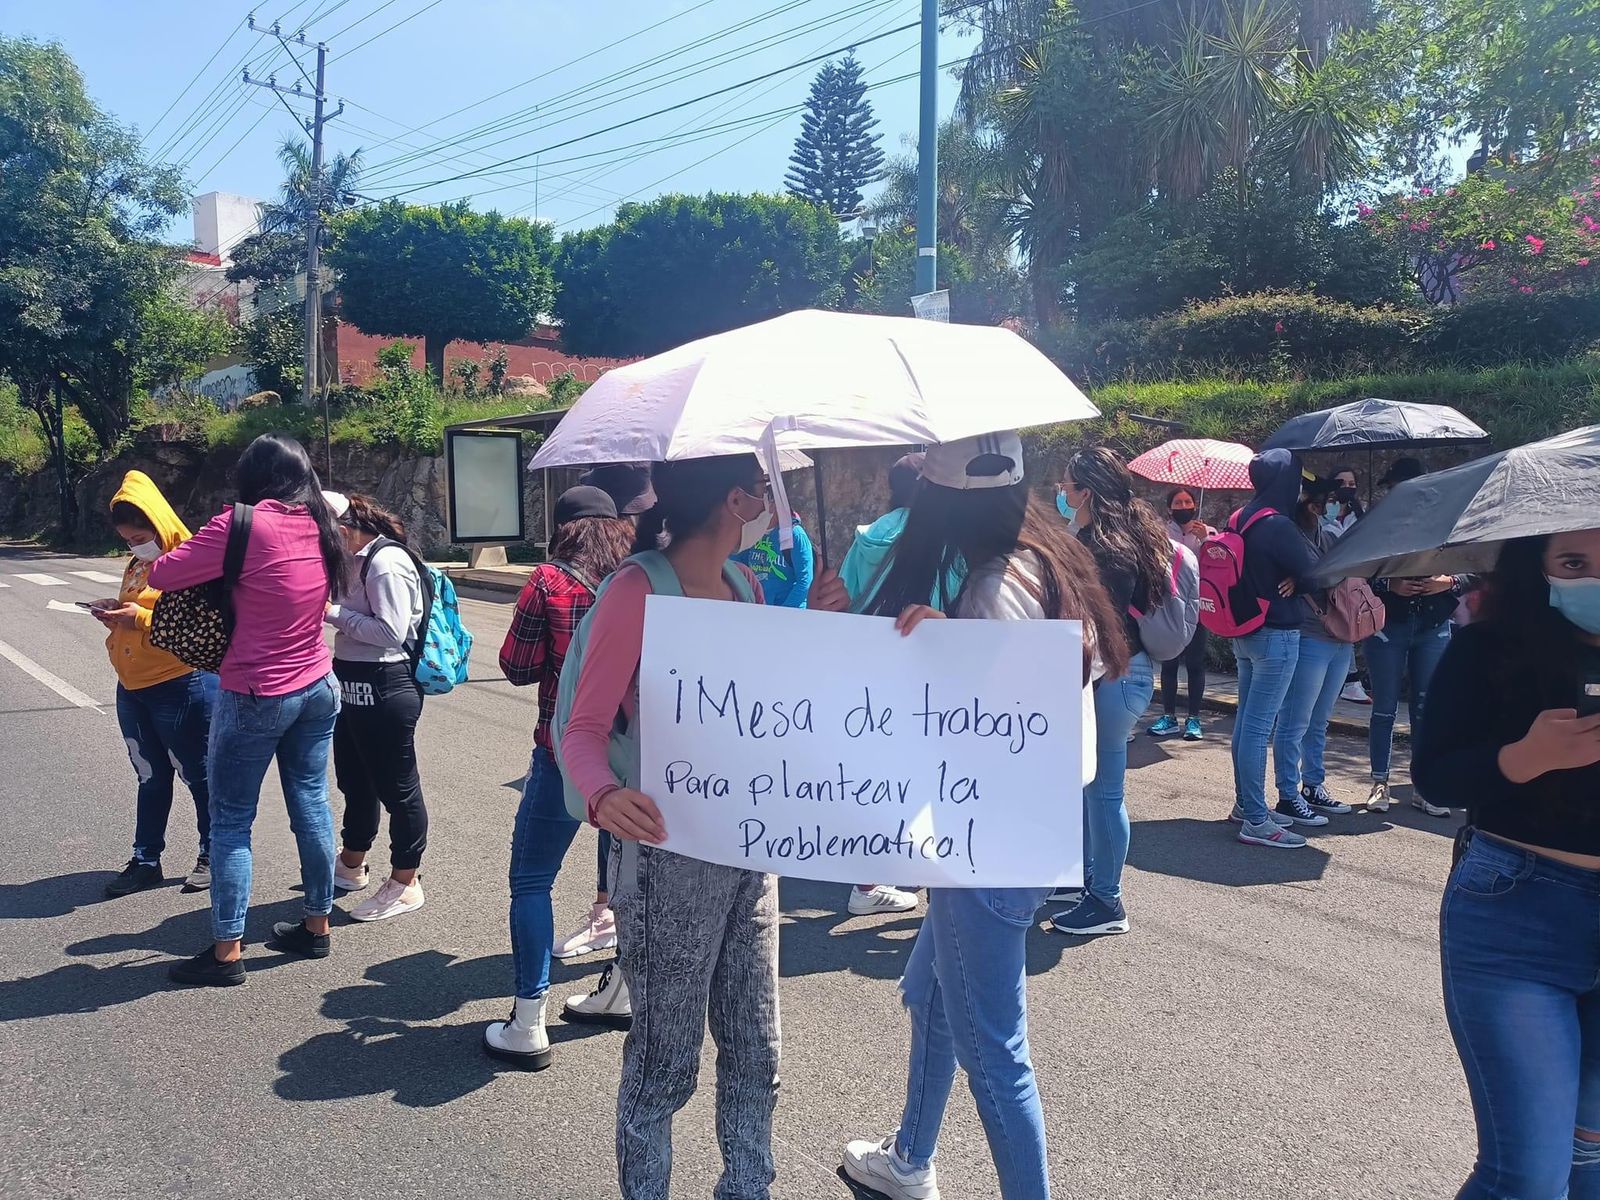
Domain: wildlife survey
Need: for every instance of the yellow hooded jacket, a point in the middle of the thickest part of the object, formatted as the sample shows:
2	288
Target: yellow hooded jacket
139	664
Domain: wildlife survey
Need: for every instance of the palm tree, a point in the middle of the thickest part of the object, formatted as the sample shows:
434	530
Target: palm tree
277	251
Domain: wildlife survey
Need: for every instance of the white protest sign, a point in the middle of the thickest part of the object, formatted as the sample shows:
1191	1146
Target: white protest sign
827	746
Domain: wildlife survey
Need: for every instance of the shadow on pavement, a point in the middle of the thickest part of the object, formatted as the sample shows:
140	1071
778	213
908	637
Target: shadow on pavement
380	1050
821	937
1207	851
57	895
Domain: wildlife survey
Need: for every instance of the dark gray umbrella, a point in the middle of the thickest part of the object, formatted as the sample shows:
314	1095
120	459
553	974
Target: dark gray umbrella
1456	520
1376	424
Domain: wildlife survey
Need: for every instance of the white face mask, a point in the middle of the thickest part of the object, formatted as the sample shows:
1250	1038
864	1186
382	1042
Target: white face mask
146	551
755	528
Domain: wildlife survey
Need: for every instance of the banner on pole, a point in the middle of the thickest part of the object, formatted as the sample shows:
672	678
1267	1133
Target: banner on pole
827	746
932	306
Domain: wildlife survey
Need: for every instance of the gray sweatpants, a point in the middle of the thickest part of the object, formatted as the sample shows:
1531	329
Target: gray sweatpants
696	940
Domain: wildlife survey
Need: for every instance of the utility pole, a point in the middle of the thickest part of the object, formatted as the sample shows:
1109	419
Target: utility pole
928	154
311	386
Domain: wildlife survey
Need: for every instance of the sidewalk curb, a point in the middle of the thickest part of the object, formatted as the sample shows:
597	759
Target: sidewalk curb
1347	726
506	582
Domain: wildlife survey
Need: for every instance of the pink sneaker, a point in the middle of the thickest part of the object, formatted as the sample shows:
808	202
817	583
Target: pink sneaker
599	934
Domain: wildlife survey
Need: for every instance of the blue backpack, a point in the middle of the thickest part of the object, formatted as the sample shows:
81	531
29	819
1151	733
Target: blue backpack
439	657
623	752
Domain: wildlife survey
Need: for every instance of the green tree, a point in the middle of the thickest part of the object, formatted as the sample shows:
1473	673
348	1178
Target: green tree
175	341
837	152
278	251
441	273
81	214
682	267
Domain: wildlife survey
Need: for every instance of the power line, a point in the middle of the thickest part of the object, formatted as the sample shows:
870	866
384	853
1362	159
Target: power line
499	168
193	79
580	98
390	29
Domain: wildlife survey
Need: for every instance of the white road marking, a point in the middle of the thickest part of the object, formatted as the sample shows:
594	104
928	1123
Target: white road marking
52	681
3	583
98	577
57	606
43	580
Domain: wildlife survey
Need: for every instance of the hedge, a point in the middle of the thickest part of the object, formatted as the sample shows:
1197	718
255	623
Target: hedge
1296	334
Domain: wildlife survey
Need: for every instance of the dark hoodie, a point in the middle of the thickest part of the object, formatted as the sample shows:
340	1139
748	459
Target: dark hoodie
1273	548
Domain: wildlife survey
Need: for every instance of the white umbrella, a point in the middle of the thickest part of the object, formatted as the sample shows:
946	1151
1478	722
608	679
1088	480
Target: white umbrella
815	380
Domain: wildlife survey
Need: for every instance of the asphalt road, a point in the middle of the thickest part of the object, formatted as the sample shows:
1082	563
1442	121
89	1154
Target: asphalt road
1271	1027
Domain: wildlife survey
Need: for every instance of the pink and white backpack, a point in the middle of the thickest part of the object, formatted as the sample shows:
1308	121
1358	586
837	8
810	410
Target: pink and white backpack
1228	608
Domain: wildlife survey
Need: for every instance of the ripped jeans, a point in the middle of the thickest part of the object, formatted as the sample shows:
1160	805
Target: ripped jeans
166	728
1519	959
965	986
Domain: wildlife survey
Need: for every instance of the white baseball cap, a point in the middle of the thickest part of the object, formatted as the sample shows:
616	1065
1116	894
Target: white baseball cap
992	460
338	502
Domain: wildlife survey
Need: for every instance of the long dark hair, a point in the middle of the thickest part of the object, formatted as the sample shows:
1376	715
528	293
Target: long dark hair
689	493
367	515
1539	643
1123	530
276	467
947	528
593	545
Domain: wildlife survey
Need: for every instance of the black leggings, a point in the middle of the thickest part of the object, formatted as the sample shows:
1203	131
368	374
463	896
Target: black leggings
375	758
1193	659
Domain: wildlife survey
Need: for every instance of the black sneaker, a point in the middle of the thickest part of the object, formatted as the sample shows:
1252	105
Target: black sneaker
203	970
1297	810
1317	797
135	877
292	937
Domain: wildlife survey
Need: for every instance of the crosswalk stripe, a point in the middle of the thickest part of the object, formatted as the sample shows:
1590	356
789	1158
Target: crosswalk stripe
43	580
54	682
98	577
3	583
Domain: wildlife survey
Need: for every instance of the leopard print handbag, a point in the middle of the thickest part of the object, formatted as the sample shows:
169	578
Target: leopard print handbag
195	624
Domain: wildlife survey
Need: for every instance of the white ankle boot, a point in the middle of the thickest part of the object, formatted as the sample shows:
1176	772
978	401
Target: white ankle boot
607	1005
522	1039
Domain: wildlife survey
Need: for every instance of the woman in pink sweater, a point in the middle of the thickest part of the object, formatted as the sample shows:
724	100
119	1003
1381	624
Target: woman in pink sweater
693	938
279	697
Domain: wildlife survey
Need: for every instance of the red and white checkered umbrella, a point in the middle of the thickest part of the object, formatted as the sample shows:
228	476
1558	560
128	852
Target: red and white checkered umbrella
1196	463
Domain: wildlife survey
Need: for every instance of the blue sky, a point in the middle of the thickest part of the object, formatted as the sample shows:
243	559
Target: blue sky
430	59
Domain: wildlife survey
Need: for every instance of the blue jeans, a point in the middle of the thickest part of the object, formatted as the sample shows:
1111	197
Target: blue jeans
540	840
1397	647
1118	704
1302	737
166	727
1266	667
1520	961
966	989
246	732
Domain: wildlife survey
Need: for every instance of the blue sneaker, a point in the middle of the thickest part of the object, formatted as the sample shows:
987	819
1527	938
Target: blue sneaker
1165	727
1091	916
1192	731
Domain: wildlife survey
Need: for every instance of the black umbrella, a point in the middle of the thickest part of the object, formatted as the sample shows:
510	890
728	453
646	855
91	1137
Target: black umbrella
1376	424
1456	520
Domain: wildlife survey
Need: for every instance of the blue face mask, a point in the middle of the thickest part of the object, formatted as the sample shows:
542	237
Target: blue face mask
1065	509
1578	600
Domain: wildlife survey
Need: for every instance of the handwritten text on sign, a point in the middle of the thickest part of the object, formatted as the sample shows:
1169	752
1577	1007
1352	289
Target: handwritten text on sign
827	746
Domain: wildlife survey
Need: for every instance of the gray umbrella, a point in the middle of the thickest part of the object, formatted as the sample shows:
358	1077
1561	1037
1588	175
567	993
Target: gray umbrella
1386	424
1456	520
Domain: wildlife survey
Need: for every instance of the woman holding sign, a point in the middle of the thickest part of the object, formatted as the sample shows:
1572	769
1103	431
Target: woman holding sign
695	939
965	982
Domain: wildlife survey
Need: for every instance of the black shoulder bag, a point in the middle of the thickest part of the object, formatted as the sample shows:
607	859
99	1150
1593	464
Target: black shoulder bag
195	624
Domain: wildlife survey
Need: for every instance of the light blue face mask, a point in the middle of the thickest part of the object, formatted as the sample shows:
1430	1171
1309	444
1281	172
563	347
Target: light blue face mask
1578	600
1065	509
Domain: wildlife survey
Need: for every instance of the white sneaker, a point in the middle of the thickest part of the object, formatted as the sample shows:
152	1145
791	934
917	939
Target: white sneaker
349	879
1272	834
878	1165
1355	693
520	1039
599	934
390	900
1433	810
1237	817
881	899
1378	797
609	1003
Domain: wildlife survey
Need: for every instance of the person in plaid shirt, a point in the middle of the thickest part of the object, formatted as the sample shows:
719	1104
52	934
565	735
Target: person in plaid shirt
590	541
